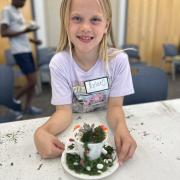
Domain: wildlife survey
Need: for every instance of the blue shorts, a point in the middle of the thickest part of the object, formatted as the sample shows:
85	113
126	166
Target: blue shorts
25	62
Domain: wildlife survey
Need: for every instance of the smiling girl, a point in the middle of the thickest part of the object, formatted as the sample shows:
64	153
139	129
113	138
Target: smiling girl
85	67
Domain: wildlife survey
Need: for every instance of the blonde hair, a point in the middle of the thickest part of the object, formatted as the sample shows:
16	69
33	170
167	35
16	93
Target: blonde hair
65	43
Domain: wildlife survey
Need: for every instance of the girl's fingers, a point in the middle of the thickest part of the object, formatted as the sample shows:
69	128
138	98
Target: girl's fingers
55	149
124	153
131	151
118	144
59	144
119	148
57	152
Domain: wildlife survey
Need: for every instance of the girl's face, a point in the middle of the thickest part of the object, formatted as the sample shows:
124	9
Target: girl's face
87	25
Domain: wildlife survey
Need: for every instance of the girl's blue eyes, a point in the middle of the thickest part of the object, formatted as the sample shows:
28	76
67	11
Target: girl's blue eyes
78	19
96	20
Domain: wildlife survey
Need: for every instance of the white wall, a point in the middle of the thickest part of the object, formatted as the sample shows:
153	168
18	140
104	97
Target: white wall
115	4
121	22
39	9
47	16
52	8
119	17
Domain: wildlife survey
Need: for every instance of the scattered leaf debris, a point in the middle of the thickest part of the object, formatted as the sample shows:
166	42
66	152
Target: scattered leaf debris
145	133
39	166
10	137
78	118
129	116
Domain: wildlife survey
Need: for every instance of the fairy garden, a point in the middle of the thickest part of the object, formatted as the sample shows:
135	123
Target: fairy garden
89	153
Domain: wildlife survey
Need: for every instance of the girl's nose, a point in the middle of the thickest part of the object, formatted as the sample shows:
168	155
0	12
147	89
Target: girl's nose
85	27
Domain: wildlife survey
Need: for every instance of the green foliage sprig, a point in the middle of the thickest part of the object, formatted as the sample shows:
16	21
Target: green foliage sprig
92	134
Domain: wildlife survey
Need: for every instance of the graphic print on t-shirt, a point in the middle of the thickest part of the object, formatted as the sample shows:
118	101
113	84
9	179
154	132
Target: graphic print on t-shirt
95	99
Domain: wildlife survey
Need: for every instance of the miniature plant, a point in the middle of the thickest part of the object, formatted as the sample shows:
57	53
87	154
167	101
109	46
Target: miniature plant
92	134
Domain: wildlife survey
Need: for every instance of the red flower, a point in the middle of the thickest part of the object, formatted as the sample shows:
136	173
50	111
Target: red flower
104	128
76	127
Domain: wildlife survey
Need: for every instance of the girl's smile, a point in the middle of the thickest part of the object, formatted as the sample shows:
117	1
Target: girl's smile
85	39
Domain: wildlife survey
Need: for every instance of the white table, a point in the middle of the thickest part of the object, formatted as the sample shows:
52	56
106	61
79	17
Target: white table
155	126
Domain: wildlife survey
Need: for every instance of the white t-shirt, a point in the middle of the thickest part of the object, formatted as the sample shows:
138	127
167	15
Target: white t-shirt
14	19
89	90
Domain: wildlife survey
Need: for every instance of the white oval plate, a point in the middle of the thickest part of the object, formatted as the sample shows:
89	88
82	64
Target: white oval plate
111	170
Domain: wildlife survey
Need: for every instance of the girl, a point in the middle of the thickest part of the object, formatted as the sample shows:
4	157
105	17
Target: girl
87	75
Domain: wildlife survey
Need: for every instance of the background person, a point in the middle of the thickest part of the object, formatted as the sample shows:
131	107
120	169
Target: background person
13	26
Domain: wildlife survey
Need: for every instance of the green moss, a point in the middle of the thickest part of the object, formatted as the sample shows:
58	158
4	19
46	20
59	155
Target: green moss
71	146
81	165
95	135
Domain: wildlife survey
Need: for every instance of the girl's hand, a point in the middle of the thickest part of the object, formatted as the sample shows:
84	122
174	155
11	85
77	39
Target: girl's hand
125	144
47	144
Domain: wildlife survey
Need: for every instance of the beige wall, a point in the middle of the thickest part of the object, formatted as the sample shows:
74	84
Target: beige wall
154	23
115	5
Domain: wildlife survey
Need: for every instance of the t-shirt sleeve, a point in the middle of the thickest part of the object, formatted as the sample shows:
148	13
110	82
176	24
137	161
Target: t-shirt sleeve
122	84
61	91
5	17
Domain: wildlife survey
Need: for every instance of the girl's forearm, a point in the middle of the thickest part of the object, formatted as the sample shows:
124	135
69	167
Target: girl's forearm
116	117
58	122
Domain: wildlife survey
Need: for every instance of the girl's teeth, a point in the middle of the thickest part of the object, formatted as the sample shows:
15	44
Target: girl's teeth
85	38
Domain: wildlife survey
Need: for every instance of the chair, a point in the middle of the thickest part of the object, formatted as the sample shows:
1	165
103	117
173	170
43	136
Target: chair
8	115
6	94
171	56
44	56
150	84
132	52
6	88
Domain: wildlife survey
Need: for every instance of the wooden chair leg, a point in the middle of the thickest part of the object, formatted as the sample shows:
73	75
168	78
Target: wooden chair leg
162	65
173	66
